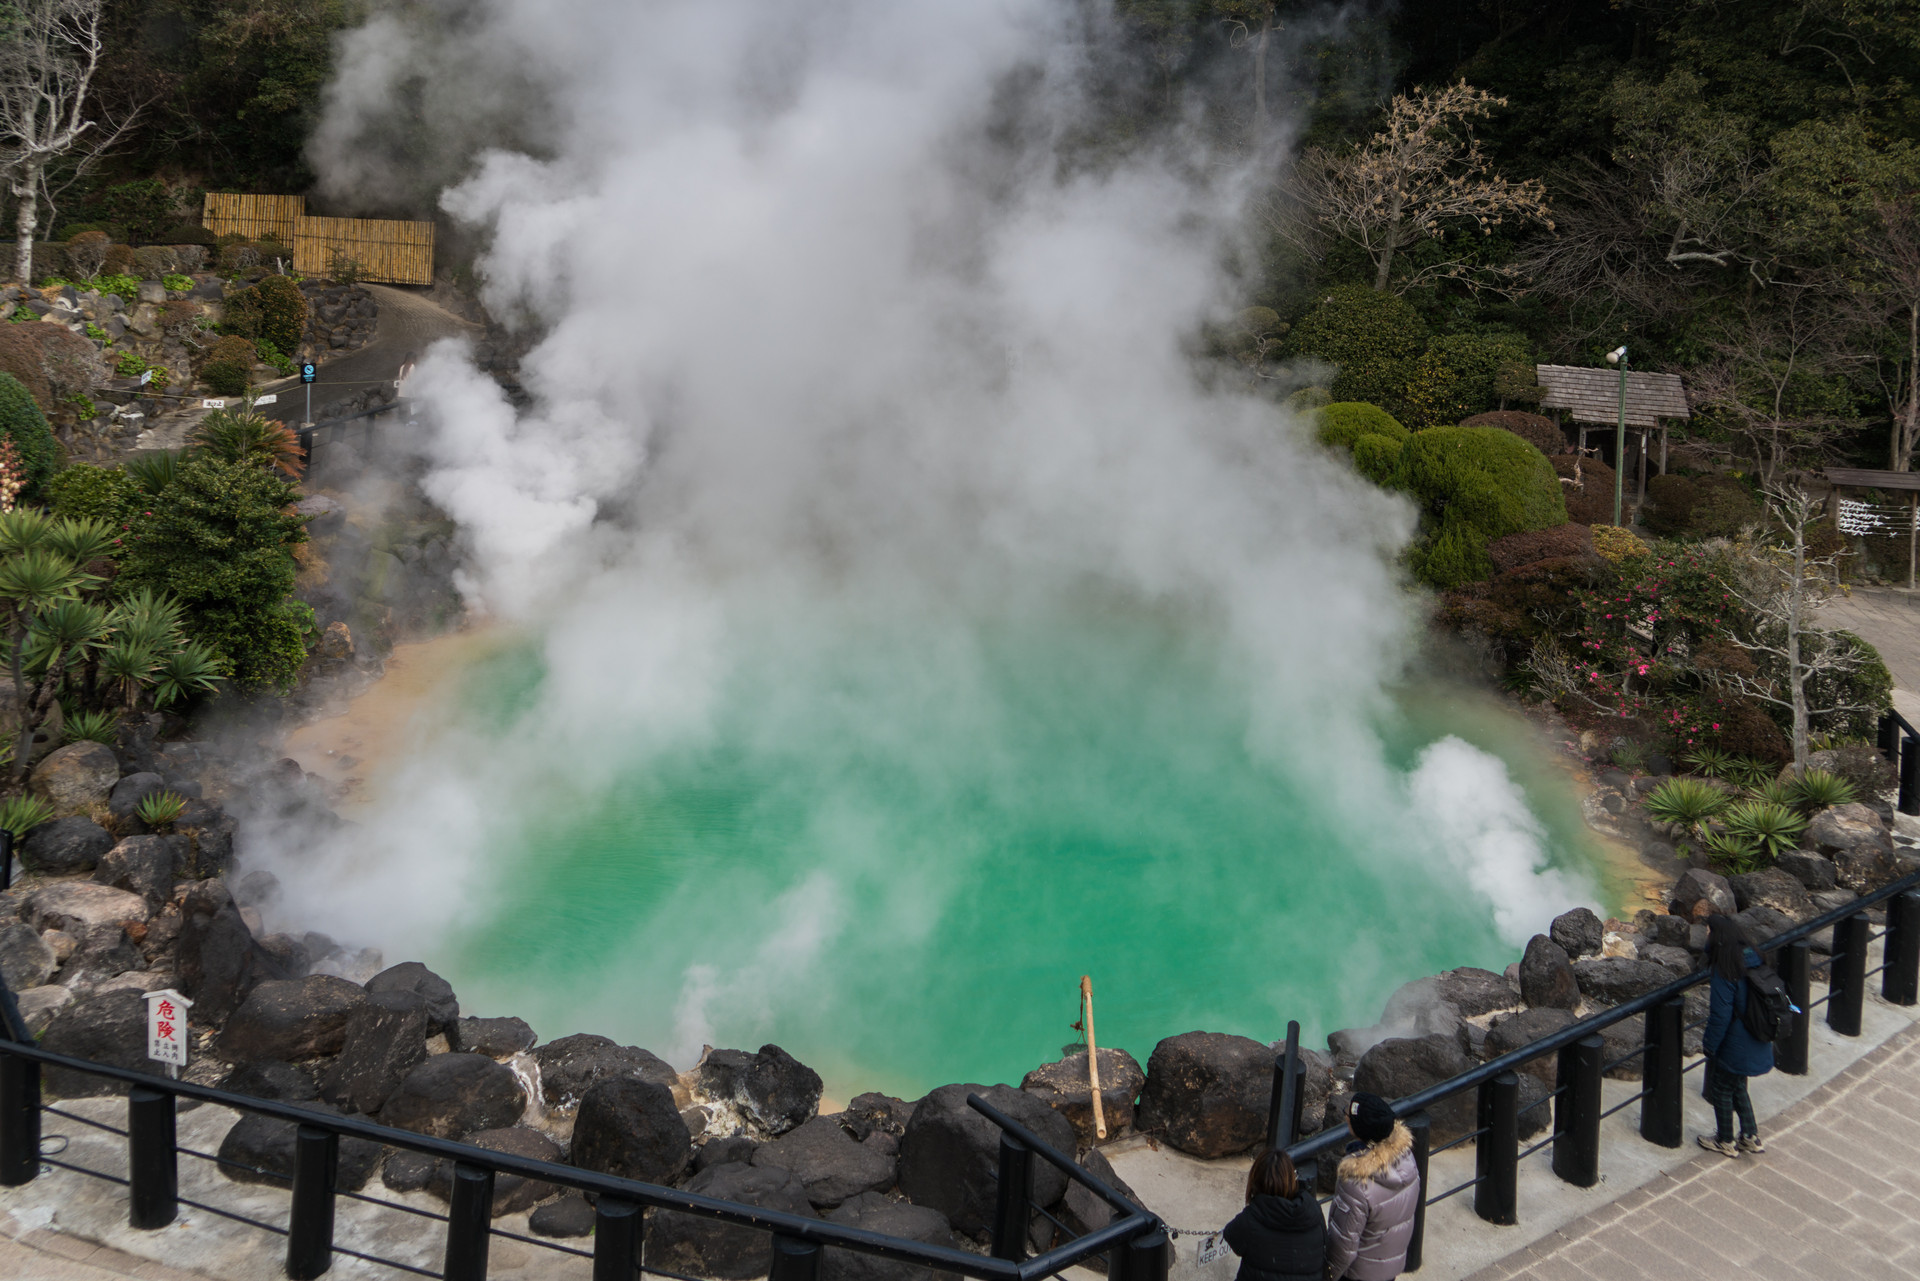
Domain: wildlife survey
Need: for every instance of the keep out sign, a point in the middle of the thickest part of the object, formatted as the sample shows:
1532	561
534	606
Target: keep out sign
167	1028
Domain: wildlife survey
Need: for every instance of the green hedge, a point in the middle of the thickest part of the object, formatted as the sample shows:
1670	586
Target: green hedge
22	422
1476	484
1344	423
1372	338
83	491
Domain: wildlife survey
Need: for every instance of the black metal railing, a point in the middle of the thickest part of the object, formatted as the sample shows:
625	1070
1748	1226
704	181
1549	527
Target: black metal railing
1900	743
1574	1137
1134	1241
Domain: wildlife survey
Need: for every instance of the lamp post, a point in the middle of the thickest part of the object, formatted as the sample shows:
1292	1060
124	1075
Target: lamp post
1618	356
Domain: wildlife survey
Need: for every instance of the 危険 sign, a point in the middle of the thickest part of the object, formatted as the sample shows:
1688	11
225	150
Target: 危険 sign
167	1027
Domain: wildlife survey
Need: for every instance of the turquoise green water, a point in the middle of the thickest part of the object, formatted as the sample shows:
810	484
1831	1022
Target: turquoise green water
895	854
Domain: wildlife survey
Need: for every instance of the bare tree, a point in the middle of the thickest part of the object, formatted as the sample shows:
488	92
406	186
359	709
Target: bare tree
1423	174
49	53
1250	25
1783	583
1888	307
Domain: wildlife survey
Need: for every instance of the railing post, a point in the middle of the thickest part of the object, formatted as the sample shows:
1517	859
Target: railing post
19	1120
1576	1112
1847	975
1420	1125
1147	1257
793	1260
1900	981
1889	737
469	1223
1496	1153
1661	1114
316	1164
153	1168
1910	775
6	858
1283	1106
1796	971
1011	1212
617	1229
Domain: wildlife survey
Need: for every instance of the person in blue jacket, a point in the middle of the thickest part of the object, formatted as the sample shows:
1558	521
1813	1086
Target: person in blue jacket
1733	1052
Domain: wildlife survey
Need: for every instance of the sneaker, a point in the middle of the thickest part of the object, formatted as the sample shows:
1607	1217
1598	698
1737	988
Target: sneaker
1751	1143
1714	1144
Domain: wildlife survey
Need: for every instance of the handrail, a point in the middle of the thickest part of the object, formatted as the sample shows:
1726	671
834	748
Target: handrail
1047	1153
1313	1146
1905	724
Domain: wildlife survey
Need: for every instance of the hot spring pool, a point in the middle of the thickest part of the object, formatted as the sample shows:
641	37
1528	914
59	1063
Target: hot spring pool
895	854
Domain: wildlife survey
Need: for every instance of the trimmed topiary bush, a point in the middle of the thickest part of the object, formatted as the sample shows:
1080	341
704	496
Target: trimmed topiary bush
83	491
1456	375
1457	556
1341	424
1537	430
1532	546
86	252
1476	484
1378	459
1590	499
283	312
229	367
22	422
119	261
1371	338
1308	399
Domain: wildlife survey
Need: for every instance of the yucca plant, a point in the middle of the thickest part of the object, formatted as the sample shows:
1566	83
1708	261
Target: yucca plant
1686	802
1817	789
1710	761
1750	773
189	670
154	472
241	435
1776	792
159	809
1772	829
80	540
1630	756
91	727
21	814
1732	852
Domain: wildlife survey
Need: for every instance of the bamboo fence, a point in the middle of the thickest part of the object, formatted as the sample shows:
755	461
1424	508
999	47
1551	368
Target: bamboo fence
255	217
399	253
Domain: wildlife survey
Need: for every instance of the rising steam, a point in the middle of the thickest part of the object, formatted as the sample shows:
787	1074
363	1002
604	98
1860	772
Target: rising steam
851	322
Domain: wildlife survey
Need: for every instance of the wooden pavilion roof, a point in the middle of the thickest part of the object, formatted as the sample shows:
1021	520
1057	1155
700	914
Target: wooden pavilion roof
1593	395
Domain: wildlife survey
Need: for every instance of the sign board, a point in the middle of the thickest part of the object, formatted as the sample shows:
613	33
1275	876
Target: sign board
307	370
1213	1247
213	404
167	1027
268	399
146	377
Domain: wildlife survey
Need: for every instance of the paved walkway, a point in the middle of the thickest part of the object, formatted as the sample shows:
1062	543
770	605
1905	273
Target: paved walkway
1889	620
1836	1195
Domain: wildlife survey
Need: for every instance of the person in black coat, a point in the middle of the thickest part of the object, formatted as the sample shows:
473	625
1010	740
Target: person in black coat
1281	1235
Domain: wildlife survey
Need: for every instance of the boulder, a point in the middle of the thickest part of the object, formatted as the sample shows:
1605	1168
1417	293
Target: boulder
732	1147
1546	976
124	800
1623	1038
64	846
1866	867
1438	1004
1763	923
1860	764
25	961
110	1028
1664	929
1473	992
1083	1212
1064	1087
408	1171
272	1079
1847	827
219	962
1699	894
1773	887
1676	961
292	1019
260	1149
496	1038
1578	932
1510	1032
1815	872
1536	1107
630	1128
385	1038
85	912
877	1112
443	1010
1207	1094
76	777
511	1193
209	831
875	1213
950	1154
830	1165
1613	979
570	1216
1401	1066
39	1006
140	865
708	1248
453	1095
572	1065
772	1087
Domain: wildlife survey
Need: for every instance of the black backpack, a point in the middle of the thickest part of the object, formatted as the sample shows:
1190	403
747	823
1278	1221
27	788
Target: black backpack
1768	1005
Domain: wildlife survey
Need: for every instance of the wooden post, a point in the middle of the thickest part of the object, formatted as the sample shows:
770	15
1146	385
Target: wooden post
1644	433
1093	1057
1663	449
1913	531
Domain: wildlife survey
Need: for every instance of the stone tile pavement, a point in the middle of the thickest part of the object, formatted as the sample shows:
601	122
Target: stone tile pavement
1887	619
40	1255
1836	1195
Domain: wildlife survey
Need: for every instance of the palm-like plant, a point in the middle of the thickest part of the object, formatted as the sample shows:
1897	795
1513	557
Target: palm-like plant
154	472
1772	829
1776	792
1816	789
241	435
191	669
80	540
34	579
21	814
90	727
1686	802
159	809
1710	761
1750	773
127	666
1732	852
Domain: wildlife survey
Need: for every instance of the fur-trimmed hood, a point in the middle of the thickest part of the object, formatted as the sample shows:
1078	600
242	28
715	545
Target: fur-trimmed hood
1378	1162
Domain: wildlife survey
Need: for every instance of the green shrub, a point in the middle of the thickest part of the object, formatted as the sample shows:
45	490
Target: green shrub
128	287
1869	686
1340	425
120	261
160	809
1455	376
1308	399
1688	802
1378	459
82	491
1819	789
143	207
154	261
1489	478
186	233
1371	338
229	367
1726	507
86	252
175	283
1456	556
1537	430
90	727
22	422
1773	829
220	540
283	312
1670	504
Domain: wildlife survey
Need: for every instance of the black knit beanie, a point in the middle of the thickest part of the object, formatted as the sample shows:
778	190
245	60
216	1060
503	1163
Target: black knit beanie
1371	1117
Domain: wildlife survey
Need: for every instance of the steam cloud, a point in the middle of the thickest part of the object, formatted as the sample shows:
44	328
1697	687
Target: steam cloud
838	323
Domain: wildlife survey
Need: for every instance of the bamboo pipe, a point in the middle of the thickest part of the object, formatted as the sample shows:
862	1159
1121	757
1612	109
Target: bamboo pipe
1093	1057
